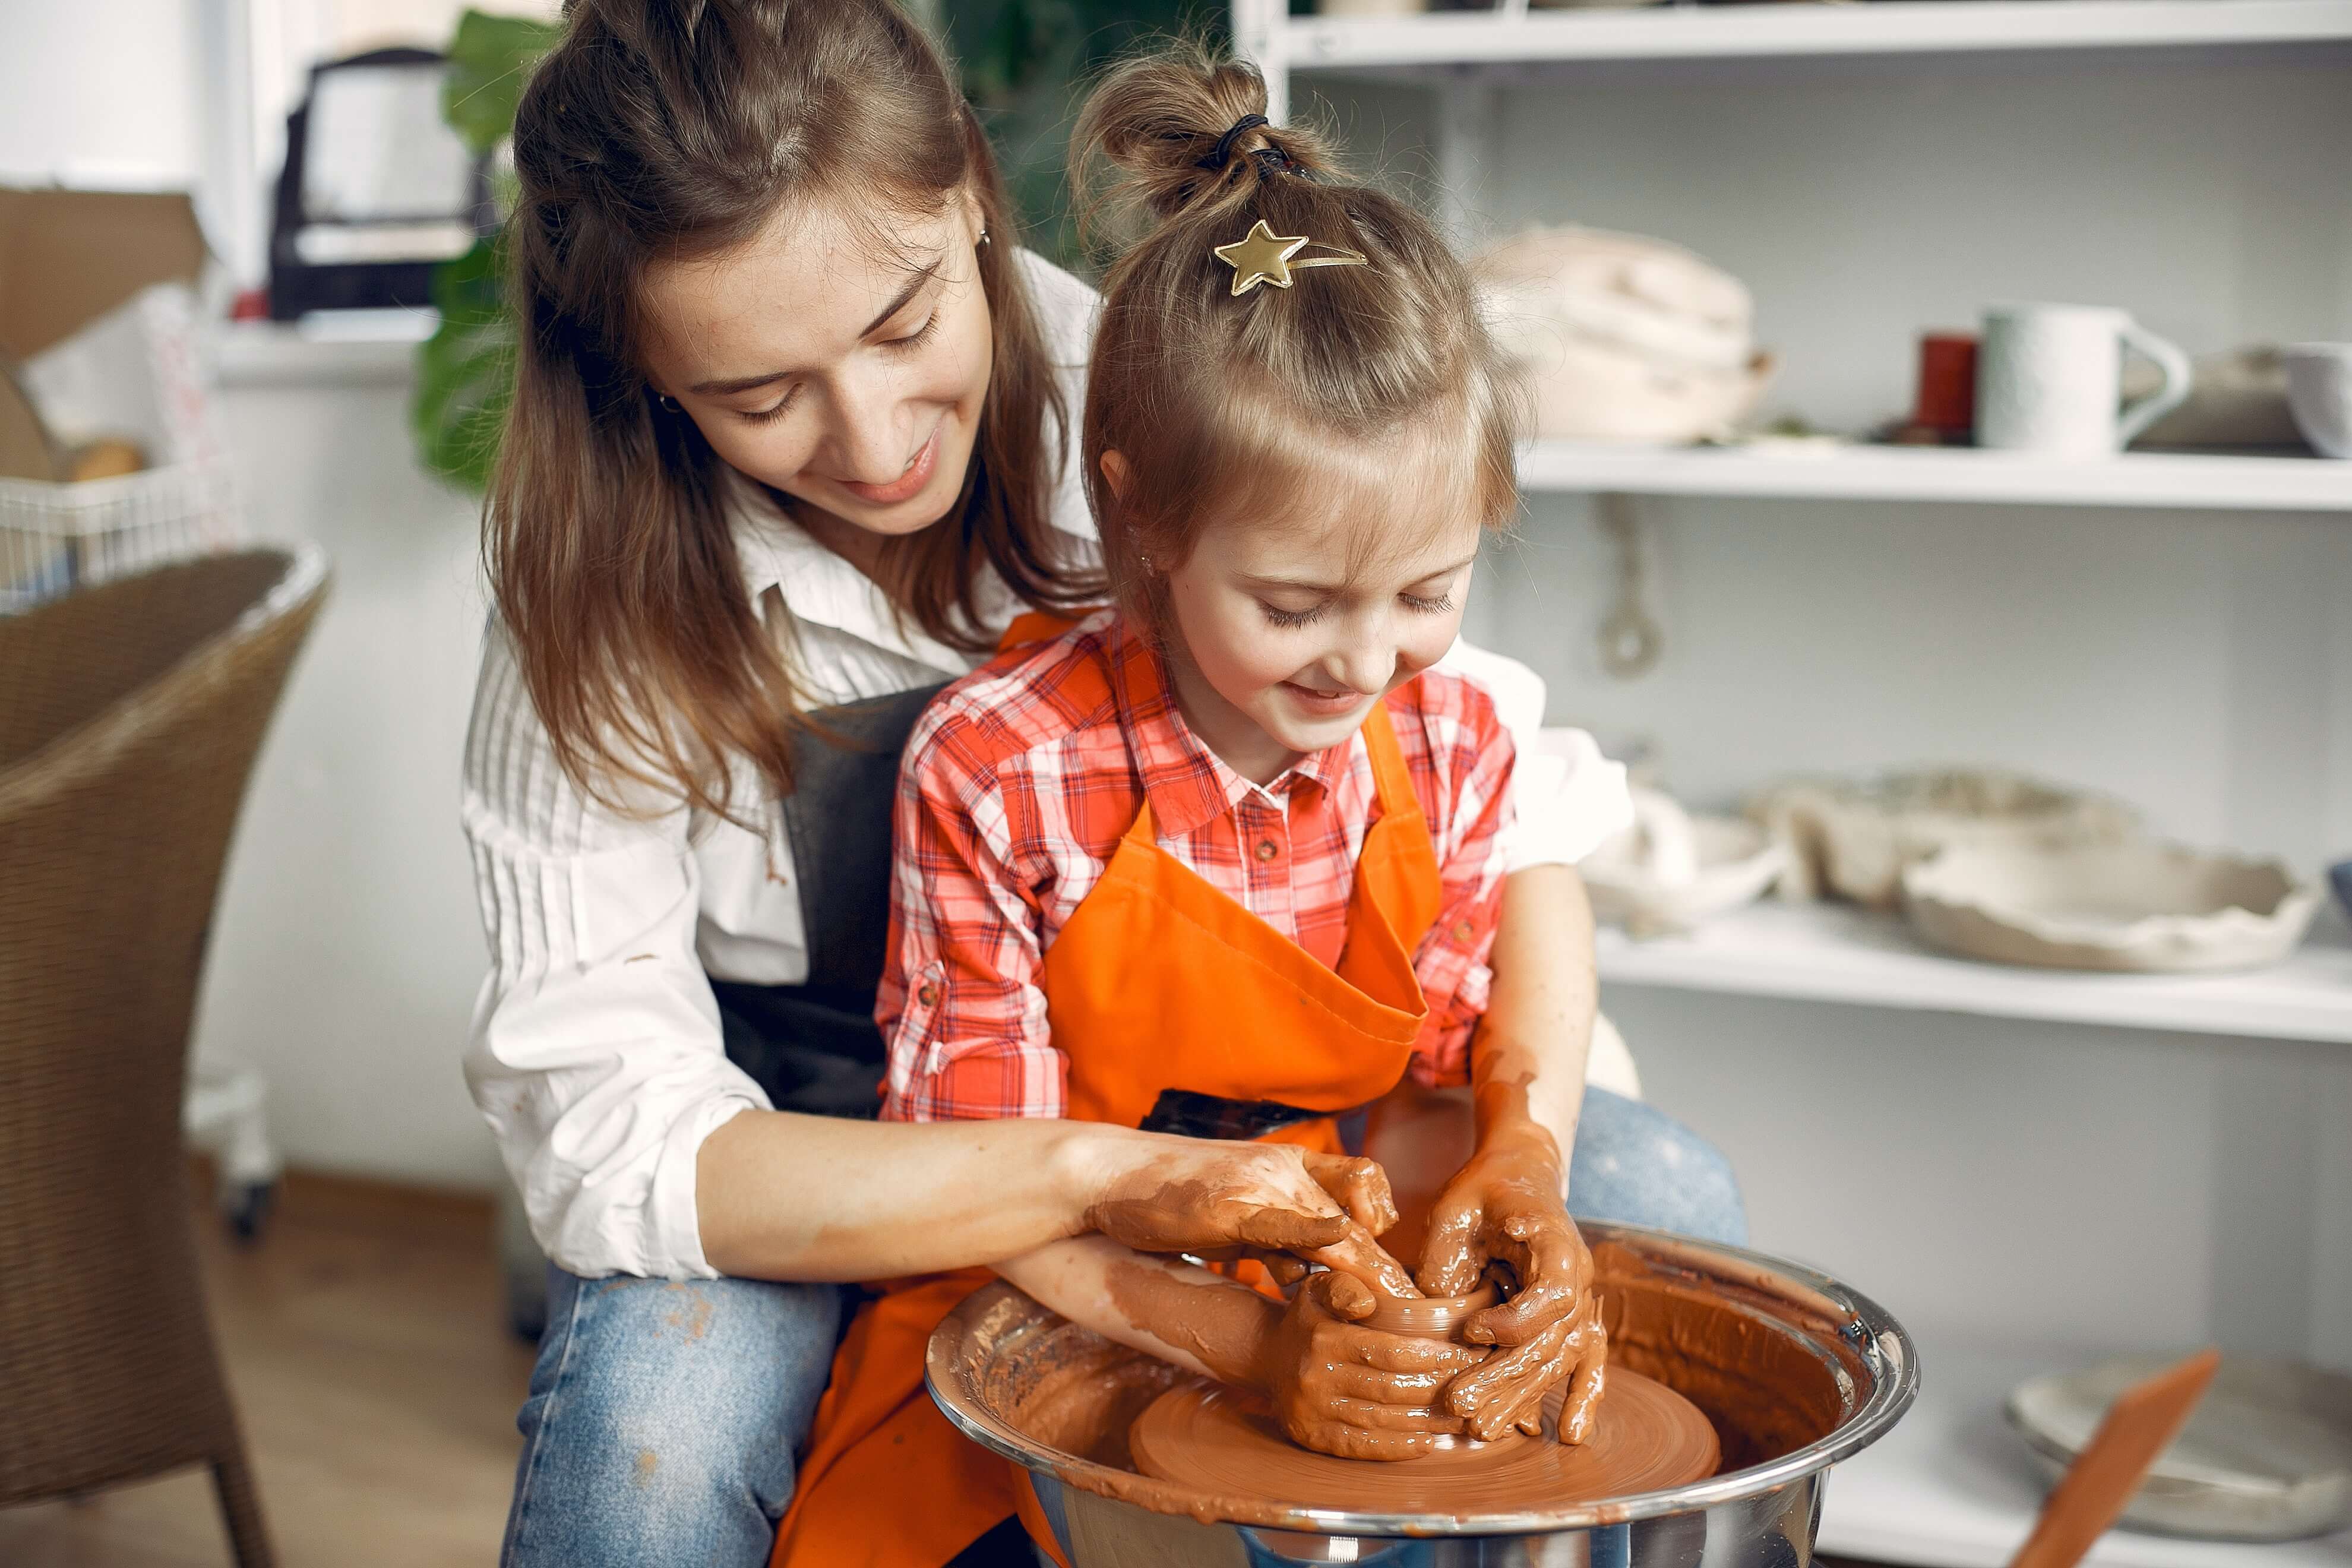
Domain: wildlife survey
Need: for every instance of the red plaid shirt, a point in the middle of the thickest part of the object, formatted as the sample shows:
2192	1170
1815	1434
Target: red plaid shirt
1015	789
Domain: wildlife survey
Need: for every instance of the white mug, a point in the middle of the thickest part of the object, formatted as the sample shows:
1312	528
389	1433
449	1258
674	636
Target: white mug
2049	379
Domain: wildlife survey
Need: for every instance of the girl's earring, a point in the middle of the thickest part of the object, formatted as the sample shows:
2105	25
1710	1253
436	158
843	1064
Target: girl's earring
983	242
1145	562
670	404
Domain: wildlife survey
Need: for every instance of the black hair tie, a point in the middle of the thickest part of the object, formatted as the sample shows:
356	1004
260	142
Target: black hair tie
1223	151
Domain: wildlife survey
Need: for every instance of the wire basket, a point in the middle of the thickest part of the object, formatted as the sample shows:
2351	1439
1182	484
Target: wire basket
57	538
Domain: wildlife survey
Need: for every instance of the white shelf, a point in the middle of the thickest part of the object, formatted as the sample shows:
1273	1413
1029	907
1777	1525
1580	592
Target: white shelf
350	348
1952	1487
1943	473
1795	31
1834	953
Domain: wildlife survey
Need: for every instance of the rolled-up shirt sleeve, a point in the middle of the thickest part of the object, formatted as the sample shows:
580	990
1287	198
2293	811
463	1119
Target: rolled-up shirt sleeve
596	1053
1567	797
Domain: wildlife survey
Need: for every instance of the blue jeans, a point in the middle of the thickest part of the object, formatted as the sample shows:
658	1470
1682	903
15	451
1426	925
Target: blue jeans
662	1418
1636	1164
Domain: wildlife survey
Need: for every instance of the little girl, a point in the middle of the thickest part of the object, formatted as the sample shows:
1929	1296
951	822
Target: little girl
1225	860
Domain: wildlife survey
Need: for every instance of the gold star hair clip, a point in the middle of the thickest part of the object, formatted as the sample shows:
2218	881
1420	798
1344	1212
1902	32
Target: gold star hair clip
1263	256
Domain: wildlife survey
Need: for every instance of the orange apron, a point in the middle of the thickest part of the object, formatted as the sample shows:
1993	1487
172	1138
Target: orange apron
1230	1008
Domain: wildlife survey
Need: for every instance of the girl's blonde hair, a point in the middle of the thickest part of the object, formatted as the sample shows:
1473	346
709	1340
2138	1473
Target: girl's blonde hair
1215	400
663	130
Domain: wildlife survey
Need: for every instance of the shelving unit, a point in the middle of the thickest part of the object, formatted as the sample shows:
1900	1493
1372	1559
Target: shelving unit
1513	36
1950	1487
1834	953
1942	474
1886	103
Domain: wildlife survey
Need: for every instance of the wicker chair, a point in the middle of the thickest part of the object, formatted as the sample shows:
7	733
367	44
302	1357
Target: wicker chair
130	715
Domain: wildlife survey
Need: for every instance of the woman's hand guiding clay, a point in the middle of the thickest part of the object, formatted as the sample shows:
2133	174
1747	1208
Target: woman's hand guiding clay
1214	1199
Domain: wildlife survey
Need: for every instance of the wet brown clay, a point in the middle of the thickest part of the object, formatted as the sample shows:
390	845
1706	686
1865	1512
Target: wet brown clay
1765	1391
1427	1316
1646	1438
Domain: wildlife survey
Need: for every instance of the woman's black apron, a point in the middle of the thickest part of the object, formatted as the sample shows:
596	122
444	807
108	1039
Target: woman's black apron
815	1047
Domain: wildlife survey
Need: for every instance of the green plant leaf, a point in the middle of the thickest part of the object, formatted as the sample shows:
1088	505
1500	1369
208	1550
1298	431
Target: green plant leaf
465	371
489	60
1024	63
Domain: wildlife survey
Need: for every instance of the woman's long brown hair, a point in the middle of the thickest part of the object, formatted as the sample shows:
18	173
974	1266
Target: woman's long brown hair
670	129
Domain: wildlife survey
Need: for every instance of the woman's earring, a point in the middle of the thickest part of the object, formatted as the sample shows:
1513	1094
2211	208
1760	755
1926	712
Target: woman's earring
981	244
670	404
1145	562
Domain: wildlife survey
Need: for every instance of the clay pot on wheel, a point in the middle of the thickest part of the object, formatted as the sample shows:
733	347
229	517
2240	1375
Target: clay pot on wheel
1796	1371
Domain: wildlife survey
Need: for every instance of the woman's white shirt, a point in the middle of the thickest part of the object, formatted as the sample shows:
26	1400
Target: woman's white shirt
597	1052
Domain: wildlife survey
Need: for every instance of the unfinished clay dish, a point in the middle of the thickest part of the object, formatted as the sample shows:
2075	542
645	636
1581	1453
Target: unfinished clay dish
2134	906
1671	871
2266	1455
1432	1317
1852	838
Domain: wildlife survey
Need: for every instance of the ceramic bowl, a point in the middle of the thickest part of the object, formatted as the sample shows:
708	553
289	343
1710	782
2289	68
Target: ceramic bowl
2266	1455
1852	837
2319	391
1671	871
2131	906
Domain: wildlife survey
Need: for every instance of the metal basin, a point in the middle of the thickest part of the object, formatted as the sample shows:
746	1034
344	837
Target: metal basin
1796	1371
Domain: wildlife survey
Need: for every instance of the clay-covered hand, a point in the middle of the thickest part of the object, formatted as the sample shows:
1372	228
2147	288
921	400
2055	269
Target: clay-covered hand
1210	1198
1504	1204
1339	1388
1508	1389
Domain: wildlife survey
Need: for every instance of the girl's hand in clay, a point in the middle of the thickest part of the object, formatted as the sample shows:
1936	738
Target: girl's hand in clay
1504	1204
1508	1389
1211	1198
1355	1391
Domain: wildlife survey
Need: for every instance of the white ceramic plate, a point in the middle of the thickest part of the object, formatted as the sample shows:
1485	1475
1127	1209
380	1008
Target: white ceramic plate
2266	1456
2131	906
1671	872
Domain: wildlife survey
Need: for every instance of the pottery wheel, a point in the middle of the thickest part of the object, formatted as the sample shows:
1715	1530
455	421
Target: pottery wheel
1220	1439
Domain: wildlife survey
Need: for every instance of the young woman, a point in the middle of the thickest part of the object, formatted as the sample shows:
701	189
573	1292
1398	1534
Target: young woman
790	447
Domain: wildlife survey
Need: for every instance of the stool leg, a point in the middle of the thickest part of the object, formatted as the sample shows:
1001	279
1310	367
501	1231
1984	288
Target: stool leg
240	1507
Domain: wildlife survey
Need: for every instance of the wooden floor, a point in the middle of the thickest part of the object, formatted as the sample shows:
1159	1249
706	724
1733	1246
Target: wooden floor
367	1347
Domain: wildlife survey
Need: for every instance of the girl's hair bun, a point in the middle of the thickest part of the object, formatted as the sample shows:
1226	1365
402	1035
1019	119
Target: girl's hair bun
1144	147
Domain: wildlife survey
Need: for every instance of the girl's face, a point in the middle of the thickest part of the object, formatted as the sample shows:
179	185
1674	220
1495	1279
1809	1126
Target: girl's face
1290	629
843	369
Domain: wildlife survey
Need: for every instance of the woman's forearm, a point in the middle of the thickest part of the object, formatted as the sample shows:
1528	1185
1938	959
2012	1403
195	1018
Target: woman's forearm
785	1196
781	1195
1538	1025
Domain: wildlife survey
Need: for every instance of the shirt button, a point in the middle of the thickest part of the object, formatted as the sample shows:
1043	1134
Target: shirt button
1464	930
928	995
1266	850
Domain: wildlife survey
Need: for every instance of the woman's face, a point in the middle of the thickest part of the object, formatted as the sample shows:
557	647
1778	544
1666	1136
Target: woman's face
842	360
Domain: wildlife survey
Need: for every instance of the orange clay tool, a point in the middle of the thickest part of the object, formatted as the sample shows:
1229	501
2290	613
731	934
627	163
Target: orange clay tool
2091	1495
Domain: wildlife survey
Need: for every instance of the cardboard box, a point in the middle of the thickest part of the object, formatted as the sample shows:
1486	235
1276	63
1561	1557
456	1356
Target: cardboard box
100	360
98	325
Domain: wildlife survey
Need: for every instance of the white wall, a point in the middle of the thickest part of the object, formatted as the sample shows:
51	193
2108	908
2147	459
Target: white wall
347	949
2126	1187
100	93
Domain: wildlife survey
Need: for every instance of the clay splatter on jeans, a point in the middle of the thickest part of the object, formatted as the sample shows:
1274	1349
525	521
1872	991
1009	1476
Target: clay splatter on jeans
692	1314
